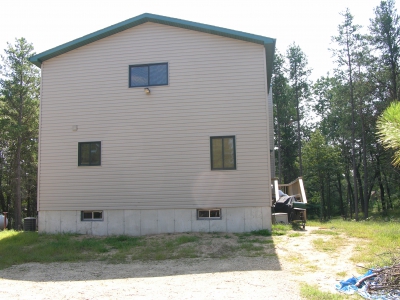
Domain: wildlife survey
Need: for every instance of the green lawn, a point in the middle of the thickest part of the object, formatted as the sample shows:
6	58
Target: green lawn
379	240
24	247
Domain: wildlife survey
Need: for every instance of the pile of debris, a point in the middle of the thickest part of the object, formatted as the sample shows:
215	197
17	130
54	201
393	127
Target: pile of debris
384	281
379	283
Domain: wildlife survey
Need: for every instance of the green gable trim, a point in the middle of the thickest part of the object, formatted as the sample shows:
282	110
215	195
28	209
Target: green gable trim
268	43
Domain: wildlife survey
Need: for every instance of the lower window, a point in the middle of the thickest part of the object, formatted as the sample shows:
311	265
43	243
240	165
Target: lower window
92	215
89	154
223	153
207	214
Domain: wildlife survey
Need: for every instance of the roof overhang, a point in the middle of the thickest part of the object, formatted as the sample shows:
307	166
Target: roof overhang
268	43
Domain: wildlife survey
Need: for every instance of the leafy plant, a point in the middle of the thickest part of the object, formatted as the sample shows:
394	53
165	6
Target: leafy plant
389	130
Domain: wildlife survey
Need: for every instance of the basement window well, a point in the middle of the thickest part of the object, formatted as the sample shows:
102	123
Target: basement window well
92	215
209	214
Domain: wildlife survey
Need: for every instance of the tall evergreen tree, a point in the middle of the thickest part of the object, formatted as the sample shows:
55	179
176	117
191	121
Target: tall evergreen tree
19	88
284	114
385	37
322	164
299	82
346	56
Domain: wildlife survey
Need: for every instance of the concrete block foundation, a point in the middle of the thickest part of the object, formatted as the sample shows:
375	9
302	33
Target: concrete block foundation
154	221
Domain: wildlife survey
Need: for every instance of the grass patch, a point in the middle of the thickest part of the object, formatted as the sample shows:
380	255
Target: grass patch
342	274
294	234
311	268
251	247
329	245
262	232
261	241
186	239
311	292
325	232
280	229
377	241
23	247
297	259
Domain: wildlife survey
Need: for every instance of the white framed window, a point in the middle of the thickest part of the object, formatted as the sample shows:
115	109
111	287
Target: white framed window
209	214
92	215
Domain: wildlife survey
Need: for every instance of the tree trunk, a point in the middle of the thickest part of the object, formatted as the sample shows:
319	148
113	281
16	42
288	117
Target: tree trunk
2	198
18	201
388	190
382	190
384	205
329	204
360	187
298	131
321	189
364	149
349	193
17	204
353	138
342	213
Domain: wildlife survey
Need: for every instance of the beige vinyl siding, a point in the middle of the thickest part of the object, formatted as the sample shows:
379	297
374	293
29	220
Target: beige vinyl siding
155	148
271	133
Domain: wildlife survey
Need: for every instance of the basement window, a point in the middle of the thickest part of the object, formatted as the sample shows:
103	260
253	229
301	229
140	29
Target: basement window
209	214
92	215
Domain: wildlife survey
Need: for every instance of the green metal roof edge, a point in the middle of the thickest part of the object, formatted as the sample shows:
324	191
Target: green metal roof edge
268	43
269	57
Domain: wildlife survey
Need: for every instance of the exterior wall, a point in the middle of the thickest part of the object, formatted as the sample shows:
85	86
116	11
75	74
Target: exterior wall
144	222
155	148
271	133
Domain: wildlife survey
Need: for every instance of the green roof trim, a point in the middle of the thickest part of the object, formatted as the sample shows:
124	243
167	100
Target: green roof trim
268	43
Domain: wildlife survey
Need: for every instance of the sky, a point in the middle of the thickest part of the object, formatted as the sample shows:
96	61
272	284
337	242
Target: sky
308	23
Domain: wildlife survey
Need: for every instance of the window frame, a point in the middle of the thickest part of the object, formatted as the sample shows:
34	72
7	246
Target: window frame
93	217
148	74
209	214
234	151
80	144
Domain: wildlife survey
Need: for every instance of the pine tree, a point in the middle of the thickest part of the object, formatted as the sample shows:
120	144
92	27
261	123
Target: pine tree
346	55
284	114
385	37
19	90
298	78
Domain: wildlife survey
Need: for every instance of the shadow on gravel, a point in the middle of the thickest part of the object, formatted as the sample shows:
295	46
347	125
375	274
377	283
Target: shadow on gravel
102	271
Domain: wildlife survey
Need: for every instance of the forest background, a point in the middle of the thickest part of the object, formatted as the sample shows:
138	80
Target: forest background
325	131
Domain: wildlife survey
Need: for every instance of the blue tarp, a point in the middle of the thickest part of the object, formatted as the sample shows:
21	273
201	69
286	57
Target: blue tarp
349	287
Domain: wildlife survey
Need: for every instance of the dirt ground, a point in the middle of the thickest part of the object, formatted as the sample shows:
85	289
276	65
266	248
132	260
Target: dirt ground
272	277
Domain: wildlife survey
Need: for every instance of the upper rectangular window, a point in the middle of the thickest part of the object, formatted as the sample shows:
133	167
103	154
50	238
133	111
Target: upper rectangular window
148	75
89	154
223	153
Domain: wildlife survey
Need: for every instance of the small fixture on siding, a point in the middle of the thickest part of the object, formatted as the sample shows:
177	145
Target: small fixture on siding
74	127
147	91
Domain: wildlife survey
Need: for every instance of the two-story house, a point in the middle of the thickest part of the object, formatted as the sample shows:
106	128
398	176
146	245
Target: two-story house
156	125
